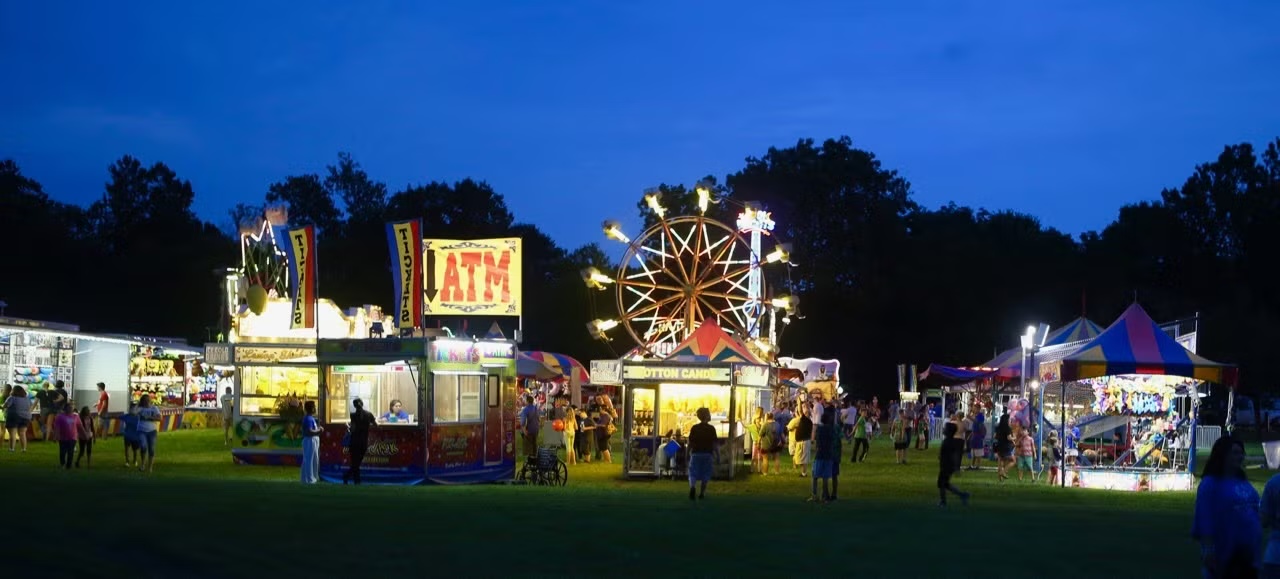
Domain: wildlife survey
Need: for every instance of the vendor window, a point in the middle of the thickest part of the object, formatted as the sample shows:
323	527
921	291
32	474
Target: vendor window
457	397
276	390
389	392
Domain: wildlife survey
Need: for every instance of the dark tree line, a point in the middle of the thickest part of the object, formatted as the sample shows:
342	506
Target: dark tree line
882	279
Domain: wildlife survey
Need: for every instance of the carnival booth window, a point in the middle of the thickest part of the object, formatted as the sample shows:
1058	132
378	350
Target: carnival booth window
264	390
680	403
458	397
388	391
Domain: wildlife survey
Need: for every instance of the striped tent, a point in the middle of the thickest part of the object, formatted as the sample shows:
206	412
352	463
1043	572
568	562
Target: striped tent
534	368
566	366
711	343
1008	364
1134	344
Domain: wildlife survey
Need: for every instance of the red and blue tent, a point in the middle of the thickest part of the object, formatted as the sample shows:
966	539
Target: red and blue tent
1134	344
568	367
709	342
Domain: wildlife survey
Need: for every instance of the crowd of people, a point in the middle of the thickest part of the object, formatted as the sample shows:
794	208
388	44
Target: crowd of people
53	410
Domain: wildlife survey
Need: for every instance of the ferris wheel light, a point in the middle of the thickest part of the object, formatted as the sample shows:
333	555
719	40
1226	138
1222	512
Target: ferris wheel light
595	279
652	200
597	328
704	199
764	346
785	302
781	253
613	230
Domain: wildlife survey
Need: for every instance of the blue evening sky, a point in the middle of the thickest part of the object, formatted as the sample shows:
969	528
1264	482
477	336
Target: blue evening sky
1065	110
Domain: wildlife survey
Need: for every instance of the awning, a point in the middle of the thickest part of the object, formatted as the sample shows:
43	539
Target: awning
562	364
939	375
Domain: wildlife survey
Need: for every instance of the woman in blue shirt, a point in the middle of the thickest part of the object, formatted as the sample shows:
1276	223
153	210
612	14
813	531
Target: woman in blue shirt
1226	519
395	414
310	444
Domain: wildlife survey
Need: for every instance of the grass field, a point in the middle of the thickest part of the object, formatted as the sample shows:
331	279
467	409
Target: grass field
200	516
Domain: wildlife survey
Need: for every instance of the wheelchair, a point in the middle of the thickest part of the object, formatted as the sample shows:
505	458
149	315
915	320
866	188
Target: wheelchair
544	469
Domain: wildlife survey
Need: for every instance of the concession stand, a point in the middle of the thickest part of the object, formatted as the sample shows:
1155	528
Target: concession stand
708	370
457	417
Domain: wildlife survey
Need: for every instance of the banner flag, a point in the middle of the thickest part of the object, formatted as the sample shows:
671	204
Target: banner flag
302	276
405	240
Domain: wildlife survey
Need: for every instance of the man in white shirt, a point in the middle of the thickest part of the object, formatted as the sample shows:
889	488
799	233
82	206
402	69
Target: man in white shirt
228	415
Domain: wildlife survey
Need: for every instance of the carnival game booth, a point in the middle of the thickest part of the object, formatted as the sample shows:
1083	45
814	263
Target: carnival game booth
709	369
446	409
1136	383
36	354
275	371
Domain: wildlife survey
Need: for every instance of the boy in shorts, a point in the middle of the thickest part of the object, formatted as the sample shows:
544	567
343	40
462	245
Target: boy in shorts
129	430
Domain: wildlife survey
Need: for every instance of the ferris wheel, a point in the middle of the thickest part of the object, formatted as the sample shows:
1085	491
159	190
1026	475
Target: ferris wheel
685	270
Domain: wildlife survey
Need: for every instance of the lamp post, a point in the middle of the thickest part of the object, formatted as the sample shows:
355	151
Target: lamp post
1028	342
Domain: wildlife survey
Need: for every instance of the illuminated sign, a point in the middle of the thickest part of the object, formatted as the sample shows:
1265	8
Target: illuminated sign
472	278
38	325
466	352
656	373
754	220
217	353
606	372
663	328
750	375
251	355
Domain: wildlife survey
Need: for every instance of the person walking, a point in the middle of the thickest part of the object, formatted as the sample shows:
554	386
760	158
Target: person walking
17	417
228	415
571	435
85	436
801	427
772	433
756	429
901	436
311	432
922	426
1227	522
148	428
824	441
1003	447
949	458
357	440
129	431
66	430
103	427
530	422
977	441
1026	450
702	454
1269	516
861	438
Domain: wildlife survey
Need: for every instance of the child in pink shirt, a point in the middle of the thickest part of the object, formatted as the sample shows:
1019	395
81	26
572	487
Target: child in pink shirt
67	429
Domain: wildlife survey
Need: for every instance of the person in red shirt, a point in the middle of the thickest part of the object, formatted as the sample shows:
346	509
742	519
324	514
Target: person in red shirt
104	404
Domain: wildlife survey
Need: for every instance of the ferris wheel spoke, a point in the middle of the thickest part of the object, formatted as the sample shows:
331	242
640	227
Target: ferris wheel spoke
666	231
727	245
640	284
740	272
721	319
697	232
633	314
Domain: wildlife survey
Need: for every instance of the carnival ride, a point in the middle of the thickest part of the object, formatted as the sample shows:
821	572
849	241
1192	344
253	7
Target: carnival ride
684	270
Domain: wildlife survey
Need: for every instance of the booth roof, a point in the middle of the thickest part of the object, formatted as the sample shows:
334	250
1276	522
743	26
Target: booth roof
1135	344
1008	364
713	343
939	375
562	364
